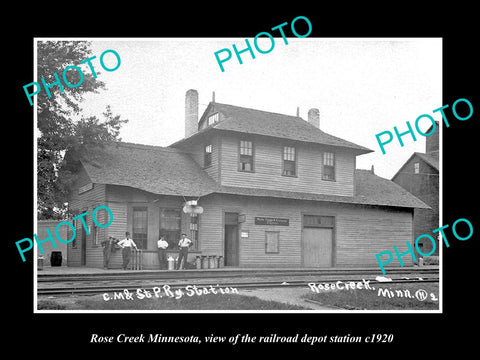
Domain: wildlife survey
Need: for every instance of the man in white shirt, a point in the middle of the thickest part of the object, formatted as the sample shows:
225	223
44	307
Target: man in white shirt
162	253
126	245
183	246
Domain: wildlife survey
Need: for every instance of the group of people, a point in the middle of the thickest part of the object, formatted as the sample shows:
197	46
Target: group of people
127	244
183	245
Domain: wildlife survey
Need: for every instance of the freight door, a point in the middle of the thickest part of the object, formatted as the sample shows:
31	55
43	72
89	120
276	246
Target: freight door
317	247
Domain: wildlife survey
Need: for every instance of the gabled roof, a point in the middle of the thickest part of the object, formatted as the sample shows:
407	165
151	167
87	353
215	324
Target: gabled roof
167	171
430	159
375	190
251	121
154	169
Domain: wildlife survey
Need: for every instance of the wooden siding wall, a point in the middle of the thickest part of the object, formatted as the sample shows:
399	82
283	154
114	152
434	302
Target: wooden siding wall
197	154
268	165
210	234
363	232
360	232
42	226
80	203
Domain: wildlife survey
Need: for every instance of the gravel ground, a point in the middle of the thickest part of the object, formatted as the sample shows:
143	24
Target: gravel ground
289	295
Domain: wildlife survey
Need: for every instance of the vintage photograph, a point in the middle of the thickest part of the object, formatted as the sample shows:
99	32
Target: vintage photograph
268	174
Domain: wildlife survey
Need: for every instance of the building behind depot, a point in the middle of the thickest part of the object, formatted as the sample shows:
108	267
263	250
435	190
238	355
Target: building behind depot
275	189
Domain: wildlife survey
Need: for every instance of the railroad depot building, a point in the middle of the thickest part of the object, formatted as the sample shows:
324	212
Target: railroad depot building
276	191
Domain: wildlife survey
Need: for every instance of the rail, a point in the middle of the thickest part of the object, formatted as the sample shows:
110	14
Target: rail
95	285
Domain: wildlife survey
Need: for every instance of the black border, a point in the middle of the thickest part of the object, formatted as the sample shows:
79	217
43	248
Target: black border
71	332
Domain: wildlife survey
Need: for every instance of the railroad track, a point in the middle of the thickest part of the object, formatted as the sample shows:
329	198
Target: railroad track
114	282
91	290
192	274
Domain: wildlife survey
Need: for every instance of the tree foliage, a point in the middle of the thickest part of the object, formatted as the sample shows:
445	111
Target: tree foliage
58	131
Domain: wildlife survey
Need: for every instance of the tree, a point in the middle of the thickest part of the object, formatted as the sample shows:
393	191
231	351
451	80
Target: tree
58	131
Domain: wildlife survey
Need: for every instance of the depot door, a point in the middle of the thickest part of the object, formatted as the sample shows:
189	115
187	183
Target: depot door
231	247
317	241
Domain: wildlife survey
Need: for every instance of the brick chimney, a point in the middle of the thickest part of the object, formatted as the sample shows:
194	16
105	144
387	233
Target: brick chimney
314	117
432	142
191	112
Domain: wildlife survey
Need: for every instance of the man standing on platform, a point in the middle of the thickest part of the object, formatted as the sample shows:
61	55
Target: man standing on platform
162	253
126	245
183	246
107	250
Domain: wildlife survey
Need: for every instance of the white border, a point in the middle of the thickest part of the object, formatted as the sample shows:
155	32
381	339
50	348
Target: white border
36	311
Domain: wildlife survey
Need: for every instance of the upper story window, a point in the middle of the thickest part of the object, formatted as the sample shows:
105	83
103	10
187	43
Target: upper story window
212	119
328	172
416	168
246	156
289	161
207	155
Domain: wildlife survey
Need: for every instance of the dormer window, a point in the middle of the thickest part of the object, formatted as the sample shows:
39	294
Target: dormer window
212	119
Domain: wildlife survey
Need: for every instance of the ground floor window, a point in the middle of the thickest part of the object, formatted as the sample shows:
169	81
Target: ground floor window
170	226
272	242
172	223
194	231
140	227
70	232
95	235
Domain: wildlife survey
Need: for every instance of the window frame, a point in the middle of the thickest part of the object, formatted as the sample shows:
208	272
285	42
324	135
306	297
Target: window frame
252	156
416	168
215	116
194	228
95	236
95	230
295	162
322	221
277	242
172	245
333	167
207	156
141	243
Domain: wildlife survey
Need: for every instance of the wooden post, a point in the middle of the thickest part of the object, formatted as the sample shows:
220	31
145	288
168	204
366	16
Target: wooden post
137	260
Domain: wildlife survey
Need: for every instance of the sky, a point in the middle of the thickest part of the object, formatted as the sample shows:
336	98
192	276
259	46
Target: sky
361	86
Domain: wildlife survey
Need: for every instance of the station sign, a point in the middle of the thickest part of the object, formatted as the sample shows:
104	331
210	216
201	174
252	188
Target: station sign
262	220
